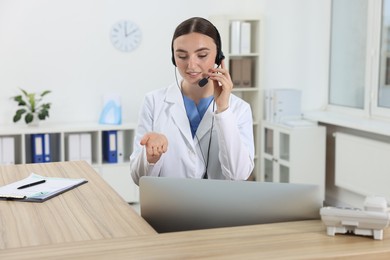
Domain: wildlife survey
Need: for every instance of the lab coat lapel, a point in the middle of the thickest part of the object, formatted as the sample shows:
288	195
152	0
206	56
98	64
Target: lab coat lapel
178	112
206	122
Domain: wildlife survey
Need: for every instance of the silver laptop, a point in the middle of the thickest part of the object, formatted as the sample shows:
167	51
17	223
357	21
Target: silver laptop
173	204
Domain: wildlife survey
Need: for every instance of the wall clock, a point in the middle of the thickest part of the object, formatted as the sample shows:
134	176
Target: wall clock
125	35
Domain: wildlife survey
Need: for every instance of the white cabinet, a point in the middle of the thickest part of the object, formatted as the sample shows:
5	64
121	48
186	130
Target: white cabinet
293	154
246	51
117	173
119	177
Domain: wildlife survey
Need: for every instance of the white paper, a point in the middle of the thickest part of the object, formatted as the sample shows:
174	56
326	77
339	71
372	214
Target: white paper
41	191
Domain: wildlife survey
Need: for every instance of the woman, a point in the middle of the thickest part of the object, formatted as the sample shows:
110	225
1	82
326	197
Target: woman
195	128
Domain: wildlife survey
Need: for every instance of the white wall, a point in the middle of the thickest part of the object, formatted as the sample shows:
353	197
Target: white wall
297	48
63	45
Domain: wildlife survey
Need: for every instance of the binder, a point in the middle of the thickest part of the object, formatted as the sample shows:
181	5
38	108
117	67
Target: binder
246	73
40	148
37	148
235	28
268	105
110	154
85	152
79	147
46	148
245	38
283	104
73	151
7	150
235	68
120	147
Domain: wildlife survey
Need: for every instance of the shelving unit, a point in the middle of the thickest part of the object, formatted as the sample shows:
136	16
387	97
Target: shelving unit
293	154
116	174
253	93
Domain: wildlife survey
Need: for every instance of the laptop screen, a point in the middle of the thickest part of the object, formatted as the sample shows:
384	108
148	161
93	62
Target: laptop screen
178	204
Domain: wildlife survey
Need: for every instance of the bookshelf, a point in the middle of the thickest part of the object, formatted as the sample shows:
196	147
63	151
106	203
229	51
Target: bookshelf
116	174
247	76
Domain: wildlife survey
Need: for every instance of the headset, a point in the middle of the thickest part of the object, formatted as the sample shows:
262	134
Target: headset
218	58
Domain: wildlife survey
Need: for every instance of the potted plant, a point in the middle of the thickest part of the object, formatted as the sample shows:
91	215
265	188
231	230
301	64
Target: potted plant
31	106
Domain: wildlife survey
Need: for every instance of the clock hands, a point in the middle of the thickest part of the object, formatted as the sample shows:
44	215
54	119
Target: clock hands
130	33
125	36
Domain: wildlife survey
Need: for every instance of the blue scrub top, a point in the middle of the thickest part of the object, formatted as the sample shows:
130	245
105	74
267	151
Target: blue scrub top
195	112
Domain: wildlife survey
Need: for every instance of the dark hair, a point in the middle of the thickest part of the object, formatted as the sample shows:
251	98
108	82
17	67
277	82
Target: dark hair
203	26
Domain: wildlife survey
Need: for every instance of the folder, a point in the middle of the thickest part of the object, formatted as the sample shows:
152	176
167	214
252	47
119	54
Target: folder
73	149
268	105
236	72
120	147
246	73
235	28
37	148
245	38
286	104
38	188
110	154
86	147
46	148
7	150
79	147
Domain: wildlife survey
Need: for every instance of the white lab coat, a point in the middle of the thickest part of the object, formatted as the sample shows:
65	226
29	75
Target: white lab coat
231	153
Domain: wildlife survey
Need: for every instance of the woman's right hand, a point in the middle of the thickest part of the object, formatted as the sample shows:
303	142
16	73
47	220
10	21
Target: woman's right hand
156	144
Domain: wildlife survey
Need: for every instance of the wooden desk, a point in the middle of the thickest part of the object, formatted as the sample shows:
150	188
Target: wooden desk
93	222
294	240
89	212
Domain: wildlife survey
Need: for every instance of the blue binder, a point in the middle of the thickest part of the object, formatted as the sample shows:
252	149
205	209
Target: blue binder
46	148
110	154
37	148
40	148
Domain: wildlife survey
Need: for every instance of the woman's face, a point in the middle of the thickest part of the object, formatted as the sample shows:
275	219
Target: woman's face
194	55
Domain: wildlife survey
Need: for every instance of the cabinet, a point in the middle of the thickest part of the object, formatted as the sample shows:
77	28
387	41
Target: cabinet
293	154
117	174
249	58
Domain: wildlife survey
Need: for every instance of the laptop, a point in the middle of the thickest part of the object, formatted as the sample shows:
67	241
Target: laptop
179	204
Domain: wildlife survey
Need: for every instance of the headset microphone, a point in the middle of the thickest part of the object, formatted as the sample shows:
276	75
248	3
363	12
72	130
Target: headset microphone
203	82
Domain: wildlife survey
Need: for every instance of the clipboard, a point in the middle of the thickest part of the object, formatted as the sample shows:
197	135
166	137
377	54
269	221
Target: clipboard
47	188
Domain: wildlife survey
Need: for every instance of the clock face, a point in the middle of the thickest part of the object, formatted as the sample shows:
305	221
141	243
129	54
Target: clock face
125	36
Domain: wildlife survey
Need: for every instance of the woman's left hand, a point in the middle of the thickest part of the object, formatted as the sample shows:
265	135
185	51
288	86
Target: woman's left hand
223	86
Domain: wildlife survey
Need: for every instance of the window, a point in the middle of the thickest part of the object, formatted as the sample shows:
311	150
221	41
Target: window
359	71
348	53
384	78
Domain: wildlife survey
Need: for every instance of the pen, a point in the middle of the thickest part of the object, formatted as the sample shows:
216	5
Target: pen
31	184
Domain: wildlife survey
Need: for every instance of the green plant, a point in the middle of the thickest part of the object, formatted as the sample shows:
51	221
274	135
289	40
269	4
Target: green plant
31	105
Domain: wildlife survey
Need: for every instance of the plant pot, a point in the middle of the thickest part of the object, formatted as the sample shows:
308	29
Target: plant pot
35	122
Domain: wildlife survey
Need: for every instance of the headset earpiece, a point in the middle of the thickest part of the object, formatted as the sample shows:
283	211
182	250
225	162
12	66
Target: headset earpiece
173	60
219	58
